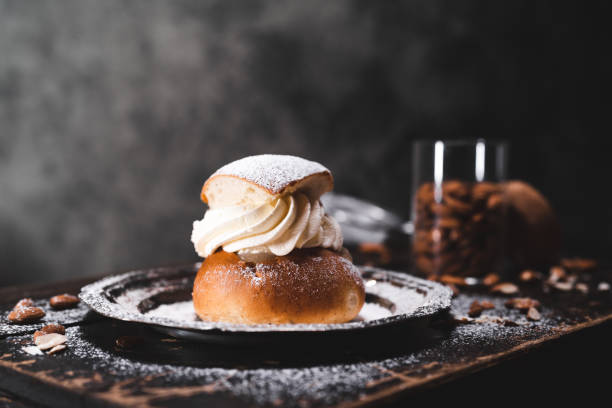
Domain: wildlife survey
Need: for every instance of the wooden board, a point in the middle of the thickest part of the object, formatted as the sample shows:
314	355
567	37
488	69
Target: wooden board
149	369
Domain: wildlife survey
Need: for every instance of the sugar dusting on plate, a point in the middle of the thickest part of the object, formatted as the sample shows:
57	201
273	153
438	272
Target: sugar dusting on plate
371	311
137	296
180	311
404	303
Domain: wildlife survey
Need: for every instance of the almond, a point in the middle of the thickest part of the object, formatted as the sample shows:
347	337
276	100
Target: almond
533	314
582	288
557	273
26	314
476	308
32	350
579	264
485	304
529	275
491	279
457	206
50	328
64	301
455	188
483	190
48	341
523	304
510	323
563	286
26	302
494	201
455	280
56	349
505	288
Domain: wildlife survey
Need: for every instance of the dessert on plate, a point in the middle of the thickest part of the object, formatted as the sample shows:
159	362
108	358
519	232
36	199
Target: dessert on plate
272	254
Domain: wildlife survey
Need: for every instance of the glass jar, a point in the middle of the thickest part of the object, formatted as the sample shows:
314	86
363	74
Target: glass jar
458	209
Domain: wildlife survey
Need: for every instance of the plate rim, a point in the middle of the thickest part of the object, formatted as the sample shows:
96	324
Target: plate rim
94	296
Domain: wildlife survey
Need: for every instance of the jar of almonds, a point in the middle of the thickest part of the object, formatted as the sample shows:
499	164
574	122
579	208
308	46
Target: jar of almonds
458	208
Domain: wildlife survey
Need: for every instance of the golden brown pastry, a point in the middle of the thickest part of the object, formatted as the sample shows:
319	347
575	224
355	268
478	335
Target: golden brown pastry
272	254
312	285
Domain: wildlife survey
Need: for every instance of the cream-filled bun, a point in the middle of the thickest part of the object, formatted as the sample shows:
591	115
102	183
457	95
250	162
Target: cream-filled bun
266	205
272	253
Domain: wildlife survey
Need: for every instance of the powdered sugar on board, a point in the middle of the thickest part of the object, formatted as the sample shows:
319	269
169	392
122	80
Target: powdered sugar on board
273	172
302	380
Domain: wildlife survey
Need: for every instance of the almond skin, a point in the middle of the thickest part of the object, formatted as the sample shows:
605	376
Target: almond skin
26	302
64	301
26	315
49	341
50	328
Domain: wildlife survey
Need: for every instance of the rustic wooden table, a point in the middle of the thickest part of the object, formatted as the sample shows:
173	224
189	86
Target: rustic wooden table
112	363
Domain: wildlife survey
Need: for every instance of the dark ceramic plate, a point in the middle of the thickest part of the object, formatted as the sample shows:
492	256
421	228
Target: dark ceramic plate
161	297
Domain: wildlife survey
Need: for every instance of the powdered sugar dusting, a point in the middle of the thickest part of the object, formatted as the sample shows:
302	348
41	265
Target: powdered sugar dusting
265	380
402	296
179	311
273	172
405	301
371	311
184	312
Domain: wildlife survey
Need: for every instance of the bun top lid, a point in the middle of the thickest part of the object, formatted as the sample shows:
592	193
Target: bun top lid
256	178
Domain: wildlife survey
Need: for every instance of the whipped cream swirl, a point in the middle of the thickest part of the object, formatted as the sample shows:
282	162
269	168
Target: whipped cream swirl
274	227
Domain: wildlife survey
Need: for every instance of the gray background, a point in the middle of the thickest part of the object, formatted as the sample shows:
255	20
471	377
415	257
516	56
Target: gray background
113	113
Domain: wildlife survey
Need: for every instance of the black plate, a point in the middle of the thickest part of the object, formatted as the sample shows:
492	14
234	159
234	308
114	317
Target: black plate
161	297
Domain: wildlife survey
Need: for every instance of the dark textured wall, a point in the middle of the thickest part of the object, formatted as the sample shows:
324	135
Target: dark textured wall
112	113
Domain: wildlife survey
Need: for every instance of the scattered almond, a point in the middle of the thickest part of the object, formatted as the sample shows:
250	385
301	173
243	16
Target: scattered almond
50	328
529	275
563	286
505	288
56	349
463	320
48	341
26	302
556	274
485	304
476	308
578	264
64	301
582	288
491	279
32	350
533	314
450	279
26	314
523	304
